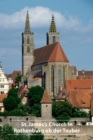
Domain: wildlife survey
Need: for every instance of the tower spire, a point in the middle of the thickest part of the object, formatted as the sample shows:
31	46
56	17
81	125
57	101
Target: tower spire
52	25
27	24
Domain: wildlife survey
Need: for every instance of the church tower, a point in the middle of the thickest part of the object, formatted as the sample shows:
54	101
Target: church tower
27	47
52	35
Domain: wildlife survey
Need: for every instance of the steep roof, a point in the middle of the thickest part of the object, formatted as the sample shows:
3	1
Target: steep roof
45	98
62	95
50	53
80	98
79	84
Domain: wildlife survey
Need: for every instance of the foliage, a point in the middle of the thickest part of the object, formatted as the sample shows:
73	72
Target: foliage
35	94
18	79
36	110
17	112
12	92
63	111
24	108
12	101
76	112
37	135
6	132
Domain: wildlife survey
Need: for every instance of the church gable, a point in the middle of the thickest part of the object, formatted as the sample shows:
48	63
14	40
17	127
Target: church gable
50	53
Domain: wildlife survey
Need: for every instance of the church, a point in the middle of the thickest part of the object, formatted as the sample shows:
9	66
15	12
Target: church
47	66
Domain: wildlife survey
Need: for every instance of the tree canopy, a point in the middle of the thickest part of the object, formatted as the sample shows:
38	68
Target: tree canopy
12	101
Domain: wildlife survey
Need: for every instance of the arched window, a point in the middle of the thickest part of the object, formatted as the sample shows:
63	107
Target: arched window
27	40
52	79
63	74
54	39
28	49
59	76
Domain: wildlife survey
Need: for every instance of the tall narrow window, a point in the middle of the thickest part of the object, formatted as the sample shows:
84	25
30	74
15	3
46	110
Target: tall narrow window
54	39
28	49
59	76
44	80
27	40
63	74
52	79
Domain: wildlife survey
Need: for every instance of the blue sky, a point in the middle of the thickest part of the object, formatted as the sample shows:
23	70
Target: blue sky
74	22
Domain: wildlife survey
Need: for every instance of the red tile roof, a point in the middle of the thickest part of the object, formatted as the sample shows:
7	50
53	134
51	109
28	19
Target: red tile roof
62	95
79	84
50	53
2	96
22	91
92	104
45	98
80	98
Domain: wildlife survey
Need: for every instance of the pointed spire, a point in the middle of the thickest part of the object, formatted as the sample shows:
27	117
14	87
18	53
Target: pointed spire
45	98
52	25
27	24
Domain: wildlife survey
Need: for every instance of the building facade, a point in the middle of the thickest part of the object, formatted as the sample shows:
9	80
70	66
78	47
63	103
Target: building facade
49	63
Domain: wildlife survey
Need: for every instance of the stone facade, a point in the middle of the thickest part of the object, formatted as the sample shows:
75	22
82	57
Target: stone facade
44	70
27	48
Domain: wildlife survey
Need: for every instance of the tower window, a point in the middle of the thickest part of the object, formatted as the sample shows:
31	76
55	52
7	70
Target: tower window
28	49
27	40
54	39
52	79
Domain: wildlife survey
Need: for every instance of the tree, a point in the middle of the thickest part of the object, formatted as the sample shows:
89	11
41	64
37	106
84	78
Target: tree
12	101
62	111
37	135
7	132
35	94
18	79
13	92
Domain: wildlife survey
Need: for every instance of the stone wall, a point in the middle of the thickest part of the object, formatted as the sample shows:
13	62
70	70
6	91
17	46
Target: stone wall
50	128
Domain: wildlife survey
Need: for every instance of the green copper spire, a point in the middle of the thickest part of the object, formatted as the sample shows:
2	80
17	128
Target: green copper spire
27	24
52	25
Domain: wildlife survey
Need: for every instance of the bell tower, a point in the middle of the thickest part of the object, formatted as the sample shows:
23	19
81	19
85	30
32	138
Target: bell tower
27	47
52	35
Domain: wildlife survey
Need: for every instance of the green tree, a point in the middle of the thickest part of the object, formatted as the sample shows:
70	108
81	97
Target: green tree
12	101
36	110
12	92
7	132
62	111
35	94
37	135
18	79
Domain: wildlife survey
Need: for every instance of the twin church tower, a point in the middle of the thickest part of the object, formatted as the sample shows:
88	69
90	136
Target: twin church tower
47	66
28	43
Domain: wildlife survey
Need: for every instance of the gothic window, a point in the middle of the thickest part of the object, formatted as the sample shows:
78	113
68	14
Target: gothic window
52	79
44	80
59	76
54	39
28	49
27	40
63	74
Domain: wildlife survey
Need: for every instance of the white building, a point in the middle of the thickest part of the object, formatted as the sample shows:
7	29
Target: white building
4	82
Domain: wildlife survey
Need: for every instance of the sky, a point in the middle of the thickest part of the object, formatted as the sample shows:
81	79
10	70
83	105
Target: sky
74	22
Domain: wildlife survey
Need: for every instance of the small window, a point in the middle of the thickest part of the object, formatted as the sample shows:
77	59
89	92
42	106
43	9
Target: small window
26	119
2	92
27	40
28	49
46	105
2	86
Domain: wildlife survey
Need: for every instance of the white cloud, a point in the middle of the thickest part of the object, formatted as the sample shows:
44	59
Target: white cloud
39	17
